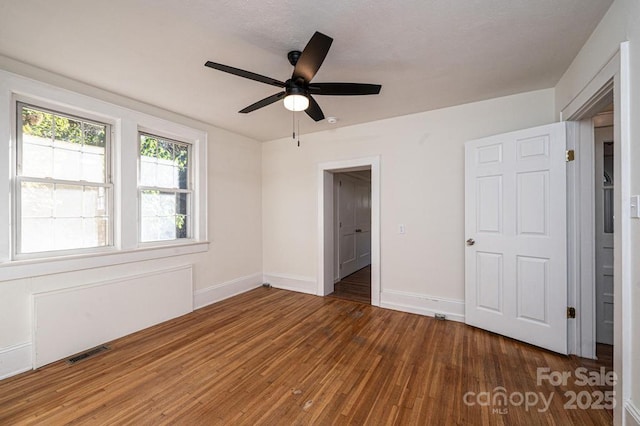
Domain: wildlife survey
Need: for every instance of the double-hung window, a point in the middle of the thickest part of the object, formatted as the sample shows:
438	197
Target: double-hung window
91	184
63	182
165	189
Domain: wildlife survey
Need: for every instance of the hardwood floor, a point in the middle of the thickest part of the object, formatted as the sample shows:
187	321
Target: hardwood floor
275	357
605	353
356	287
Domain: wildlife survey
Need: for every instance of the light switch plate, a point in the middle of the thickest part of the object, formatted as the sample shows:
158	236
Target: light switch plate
635	206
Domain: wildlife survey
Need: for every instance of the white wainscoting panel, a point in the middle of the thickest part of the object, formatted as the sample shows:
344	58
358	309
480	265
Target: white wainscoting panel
422	304
72	320
218	292
15	359
307	285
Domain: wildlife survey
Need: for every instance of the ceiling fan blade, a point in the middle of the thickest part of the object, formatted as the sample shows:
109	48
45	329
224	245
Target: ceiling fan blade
314	110
246	74
263	103
312	57
344	89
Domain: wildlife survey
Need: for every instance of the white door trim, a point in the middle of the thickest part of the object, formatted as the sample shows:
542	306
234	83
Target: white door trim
325	222
617	69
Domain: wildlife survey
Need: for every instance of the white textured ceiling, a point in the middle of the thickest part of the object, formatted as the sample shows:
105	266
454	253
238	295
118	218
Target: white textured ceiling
427	54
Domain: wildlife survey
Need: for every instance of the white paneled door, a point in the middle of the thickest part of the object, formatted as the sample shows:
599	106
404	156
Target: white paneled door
354	221
363	223
604	233
515	225
347	226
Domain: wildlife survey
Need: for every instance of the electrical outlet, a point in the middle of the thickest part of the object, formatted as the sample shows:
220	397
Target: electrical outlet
401	229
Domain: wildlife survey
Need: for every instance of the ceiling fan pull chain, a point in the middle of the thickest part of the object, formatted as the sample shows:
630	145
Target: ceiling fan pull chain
298	133
293	124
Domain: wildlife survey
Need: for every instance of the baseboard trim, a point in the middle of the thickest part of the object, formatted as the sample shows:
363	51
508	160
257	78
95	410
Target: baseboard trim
15	359
422	304
306	285
632	414
218	292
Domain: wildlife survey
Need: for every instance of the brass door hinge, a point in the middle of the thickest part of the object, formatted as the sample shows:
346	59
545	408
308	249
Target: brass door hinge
570	155
571	312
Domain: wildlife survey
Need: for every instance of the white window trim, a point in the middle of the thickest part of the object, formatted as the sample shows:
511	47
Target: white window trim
125	124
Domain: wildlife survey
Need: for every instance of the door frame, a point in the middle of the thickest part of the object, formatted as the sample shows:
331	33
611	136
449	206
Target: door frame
613	78
326	225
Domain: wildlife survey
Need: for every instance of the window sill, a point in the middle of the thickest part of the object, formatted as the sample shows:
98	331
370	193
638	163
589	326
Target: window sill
18	269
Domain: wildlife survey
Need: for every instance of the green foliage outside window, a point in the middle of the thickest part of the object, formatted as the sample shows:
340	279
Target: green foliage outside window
51	126
164	150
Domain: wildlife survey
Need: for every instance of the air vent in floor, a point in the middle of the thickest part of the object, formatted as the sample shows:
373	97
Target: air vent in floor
87	354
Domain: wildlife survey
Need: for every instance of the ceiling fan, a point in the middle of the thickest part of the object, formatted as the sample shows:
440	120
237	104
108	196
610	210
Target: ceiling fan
298	89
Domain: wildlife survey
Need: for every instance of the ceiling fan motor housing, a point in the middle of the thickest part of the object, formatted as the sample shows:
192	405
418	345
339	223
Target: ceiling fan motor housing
293	88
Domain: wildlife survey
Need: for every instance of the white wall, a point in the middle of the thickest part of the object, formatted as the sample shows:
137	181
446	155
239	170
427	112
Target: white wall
621	23
234	228
422	187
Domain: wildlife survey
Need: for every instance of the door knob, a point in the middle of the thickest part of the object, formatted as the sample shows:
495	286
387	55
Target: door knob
358	230
471	242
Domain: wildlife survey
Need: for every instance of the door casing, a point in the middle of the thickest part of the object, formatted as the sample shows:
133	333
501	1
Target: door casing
613	77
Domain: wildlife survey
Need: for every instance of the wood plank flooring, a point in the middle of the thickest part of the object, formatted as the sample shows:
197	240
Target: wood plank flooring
275	357
356	287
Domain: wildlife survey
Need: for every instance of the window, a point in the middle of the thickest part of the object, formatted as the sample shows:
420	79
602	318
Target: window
607	187
165	189
92	184
63	182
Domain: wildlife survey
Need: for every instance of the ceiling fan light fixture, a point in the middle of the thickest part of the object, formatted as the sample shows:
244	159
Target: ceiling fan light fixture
296	102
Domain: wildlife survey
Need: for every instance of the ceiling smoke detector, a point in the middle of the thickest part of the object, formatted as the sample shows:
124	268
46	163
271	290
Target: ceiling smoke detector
332	120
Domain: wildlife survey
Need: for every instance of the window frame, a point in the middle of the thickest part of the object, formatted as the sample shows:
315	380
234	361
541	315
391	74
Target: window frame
189	190
18	179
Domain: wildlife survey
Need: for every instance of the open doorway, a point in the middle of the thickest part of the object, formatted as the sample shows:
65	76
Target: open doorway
609	86
352	235
327	231
598	220
594	216
604	183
